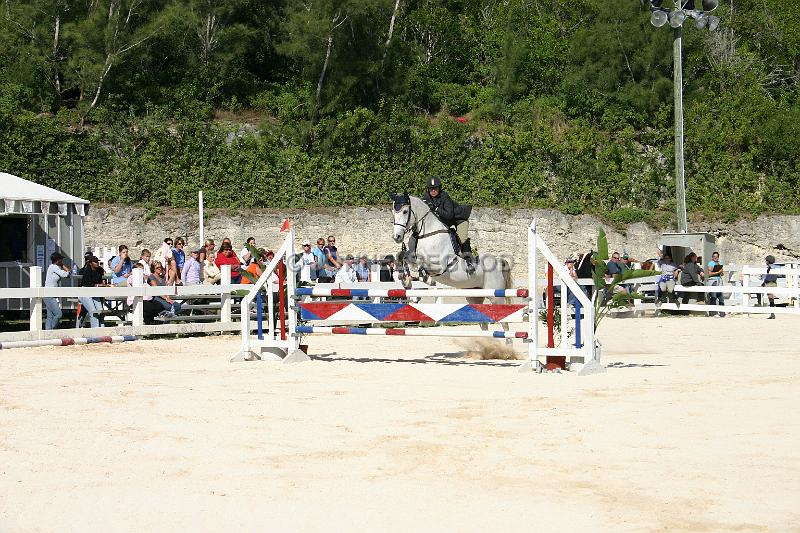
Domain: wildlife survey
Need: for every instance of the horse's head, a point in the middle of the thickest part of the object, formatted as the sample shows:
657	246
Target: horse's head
401	210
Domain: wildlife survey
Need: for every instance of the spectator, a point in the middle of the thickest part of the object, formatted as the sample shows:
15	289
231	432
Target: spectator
157	279
666	283
227	257
319	254
164	251
363	272
211	273
144	259
332	263
150	308
691	275
308	264
178	254
227	240
714	275
245	256
346	273
627	262
770	280
571	298
615	266
55	273
121	267
254	269
585	269
92	276
209	246
172	277
388	271
193	268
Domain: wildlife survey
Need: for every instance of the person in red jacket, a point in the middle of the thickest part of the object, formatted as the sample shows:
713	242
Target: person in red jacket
227	256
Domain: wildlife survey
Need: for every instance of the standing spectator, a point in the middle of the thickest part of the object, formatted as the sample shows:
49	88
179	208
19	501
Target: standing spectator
308	264
332	263
363	270
121	267
92	276
319	254
164	251
714	275
388	271
209	246
211	273
585	268
227	257
144	259
55	273
193	269
172	273
227	240
179	254
346	273
691	275
245	256
770	280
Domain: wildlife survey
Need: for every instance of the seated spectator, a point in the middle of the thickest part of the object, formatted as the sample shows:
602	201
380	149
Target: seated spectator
211	273
691	275
346	273
363	271
92	276
193	268
158	279
121	267
209	246
615	266
666	283
172	273
308	264
627	262
226	256
388	271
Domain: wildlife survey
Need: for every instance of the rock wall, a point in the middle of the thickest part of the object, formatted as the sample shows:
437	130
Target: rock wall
367	231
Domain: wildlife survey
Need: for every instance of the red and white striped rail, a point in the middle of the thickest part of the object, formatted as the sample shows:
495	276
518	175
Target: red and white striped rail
413	293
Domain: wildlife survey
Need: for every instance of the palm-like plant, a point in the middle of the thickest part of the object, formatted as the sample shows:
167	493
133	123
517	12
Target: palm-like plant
608	295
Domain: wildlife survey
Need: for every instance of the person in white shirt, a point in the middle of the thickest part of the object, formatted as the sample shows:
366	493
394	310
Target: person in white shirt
245	257
308	264
346	274
55	273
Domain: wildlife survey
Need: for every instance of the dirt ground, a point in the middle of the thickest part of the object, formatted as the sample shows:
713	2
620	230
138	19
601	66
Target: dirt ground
694	427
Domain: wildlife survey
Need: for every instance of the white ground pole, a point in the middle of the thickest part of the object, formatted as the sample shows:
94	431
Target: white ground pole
200	215
591	349
273	347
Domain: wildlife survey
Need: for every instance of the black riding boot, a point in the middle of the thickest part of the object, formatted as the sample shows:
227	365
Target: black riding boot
469	259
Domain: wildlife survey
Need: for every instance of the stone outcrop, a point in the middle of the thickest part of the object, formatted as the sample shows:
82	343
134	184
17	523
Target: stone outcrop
367	231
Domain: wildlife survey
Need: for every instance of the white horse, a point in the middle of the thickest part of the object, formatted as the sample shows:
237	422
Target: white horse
436	255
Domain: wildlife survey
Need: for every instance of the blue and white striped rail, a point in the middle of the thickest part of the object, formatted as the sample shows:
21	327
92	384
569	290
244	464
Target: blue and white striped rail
411	293
412	332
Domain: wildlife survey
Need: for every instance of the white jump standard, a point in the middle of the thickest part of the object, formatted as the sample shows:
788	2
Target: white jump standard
336	317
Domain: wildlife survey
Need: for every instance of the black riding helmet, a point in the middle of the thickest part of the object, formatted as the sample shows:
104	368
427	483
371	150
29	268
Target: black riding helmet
434	182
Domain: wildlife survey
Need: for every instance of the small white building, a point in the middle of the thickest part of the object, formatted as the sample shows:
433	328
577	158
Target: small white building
36	221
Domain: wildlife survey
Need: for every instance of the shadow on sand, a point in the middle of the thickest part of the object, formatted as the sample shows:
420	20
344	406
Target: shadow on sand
452	359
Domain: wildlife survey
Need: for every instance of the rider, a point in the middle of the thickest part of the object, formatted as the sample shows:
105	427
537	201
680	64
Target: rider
450	213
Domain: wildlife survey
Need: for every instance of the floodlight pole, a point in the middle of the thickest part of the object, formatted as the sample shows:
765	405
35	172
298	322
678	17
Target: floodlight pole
677	83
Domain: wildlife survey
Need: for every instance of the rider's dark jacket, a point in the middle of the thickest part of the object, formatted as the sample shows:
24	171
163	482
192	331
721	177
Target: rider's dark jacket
446	209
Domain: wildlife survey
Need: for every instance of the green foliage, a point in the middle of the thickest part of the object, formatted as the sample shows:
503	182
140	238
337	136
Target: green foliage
563	104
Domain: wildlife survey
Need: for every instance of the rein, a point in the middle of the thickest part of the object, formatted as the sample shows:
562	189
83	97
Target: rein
415	231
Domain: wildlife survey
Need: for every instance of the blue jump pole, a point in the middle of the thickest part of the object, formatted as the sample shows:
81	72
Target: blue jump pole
259	317
578	343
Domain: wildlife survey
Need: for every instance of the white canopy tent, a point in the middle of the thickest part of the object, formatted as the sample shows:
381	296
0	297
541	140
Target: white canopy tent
36	221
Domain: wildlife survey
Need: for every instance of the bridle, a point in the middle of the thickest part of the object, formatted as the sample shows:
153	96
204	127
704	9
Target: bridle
417	227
